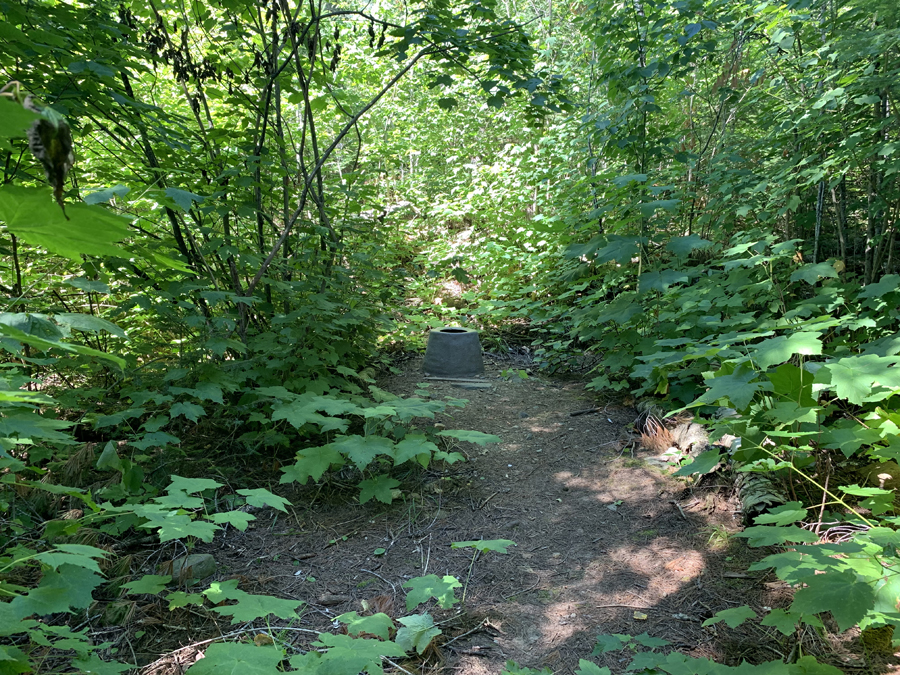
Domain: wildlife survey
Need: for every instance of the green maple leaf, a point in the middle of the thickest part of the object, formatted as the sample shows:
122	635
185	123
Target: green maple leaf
156	439
646	662
588	668
682	246
853	377
70	586
16	120
260	497
790	566
477	437
411	447
94	665
249	607
661	280
780	349
608	643
33	215
312	463
88	323
73	554
647	640
890	283
347	654
153	584
190	485
379	624
788	412
11	618
381	411
766	535
181	599
380	487
27	427
848	437
485	545
733	617
183	198
793	384
407	408
305	410
45	344
812	273
621	310
840	593
807	665
204	391
237	519
879	501
173	525
784	622
422	589
782	515
331	405
618	248
681	664
887	594
361	450
176	499
191	411
702	464
417	633
738	387
238	658
449	457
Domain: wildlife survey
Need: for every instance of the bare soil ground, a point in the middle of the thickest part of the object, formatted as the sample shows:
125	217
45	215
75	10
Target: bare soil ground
604	543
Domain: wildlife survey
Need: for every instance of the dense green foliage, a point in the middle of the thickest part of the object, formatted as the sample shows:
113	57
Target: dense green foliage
701	196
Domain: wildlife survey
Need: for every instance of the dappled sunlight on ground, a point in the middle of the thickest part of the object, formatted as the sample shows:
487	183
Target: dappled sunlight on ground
601	543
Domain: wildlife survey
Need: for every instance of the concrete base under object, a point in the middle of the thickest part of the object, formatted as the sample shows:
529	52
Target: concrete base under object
453	352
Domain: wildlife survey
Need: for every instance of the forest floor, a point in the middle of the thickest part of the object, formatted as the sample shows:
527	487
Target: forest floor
605	543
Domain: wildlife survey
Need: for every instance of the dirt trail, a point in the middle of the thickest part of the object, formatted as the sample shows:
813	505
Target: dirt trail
605	544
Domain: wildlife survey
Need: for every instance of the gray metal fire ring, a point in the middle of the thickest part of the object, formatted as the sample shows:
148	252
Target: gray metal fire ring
453	351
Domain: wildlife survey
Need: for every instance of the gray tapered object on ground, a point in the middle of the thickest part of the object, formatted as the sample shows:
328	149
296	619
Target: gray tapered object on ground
453	352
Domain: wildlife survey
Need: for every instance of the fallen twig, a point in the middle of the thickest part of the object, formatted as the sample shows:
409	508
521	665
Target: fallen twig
524	590
462	635
393	588
397	666
586	411
487	499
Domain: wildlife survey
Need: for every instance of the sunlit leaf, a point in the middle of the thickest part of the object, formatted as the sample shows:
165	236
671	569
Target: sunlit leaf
33	215
238	657
417	633
379	625
732	617
422	589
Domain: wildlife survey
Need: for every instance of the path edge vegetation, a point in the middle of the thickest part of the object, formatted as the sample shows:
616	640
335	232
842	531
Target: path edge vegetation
703	273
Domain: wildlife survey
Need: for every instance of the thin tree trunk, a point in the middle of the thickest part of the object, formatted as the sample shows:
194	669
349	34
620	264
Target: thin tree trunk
820	207
839	198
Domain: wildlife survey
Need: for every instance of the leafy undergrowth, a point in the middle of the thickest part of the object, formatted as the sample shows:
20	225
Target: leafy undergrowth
73	571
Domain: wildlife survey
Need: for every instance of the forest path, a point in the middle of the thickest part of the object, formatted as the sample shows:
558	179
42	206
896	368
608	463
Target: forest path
604	542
